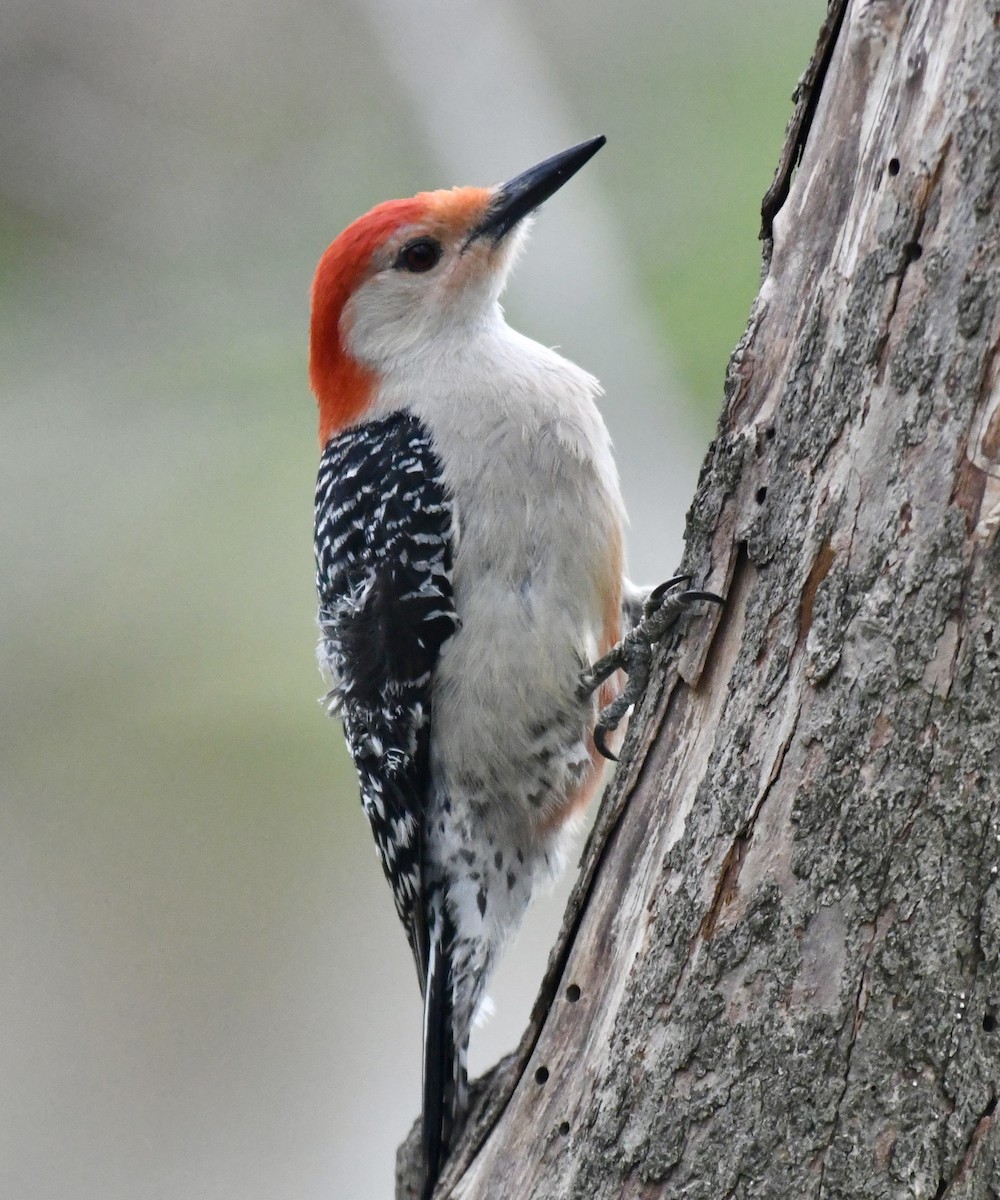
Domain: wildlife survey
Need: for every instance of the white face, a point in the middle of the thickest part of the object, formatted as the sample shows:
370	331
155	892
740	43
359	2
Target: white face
427	285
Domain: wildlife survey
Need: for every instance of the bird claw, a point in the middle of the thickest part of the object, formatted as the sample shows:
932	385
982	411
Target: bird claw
601	731
634	654
655	597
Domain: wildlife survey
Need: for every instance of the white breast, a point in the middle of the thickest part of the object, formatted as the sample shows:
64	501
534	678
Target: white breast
528	461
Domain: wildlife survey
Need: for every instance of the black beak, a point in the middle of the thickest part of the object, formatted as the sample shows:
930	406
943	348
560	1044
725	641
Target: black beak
525	192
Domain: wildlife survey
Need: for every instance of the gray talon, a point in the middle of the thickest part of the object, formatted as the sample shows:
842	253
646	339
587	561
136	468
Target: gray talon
662	610
599	742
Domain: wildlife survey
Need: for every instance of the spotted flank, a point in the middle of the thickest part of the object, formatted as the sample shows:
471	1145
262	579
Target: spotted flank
384	578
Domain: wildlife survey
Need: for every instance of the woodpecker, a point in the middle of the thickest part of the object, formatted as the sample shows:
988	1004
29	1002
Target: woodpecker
472	601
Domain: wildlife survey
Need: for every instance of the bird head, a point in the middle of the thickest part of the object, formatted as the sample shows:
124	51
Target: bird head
412	276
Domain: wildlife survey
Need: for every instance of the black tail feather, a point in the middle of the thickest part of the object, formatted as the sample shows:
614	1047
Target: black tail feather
441	1065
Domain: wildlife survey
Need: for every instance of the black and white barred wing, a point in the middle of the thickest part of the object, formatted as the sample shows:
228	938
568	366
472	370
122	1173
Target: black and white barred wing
383	561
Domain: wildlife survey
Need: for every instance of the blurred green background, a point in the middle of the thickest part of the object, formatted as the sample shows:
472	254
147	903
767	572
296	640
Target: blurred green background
205	994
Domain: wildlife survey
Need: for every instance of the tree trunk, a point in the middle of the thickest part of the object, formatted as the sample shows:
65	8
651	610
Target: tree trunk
779	972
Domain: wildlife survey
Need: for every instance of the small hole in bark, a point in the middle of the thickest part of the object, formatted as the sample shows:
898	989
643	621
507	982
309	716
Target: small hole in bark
564	1128
893	166
542	1075
913	251
573	993
761	495
989	1022
769	433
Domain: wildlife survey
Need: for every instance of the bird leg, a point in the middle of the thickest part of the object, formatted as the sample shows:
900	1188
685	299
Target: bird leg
663	608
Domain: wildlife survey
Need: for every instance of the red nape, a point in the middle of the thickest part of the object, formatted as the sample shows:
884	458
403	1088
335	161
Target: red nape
344	387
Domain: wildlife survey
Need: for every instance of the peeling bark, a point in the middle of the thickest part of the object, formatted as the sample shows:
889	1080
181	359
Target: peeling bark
780	971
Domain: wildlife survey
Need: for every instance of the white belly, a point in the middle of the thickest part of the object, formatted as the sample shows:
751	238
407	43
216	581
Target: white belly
537	567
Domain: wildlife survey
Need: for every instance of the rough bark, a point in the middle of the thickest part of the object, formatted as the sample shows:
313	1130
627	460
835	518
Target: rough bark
780	972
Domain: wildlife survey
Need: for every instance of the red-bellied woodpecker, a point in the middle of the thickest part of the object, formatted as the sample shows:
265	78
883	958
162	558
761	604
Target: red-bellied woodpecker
469	567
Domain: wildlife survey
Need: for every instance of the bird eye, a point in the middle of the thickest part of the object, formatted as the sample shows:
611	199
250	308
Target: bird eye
419	256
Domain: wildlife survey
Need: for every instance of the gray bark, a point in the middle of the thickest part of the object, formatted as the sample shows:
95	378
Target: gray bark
780	972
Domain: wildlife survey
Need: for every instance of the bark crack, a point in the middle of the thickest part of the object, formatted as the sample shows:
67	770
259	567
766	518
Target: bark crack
806	97
860	1004
732	864
725	889
978	954
978	1132
818	572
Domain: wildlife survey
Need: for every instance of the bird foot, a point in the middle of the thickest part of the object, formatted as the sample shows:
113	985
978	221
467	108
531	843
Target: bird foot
664	607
